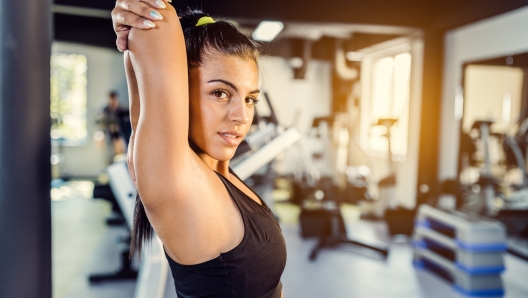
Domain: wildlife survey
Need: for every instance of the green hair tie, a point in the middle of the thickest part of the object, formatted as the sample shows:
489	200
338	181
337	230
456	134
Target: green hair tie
205	21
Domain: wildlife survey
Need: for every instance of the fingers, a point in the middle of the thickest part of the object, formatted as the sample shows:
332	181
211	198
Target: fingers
122	41
154	3
124	20
141	9
137	14
157	3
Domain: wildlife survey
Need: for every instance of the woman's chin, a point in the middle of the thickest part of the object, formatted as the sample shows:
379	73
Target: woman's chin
223	155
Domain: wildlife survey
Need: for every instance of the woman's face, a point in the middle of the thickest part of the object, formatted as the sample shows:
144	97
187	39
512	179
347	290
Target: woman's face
223	92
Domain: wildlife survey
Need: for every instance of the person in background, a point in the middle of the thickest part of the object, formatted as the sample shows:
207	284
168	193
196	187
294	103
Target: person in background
109	121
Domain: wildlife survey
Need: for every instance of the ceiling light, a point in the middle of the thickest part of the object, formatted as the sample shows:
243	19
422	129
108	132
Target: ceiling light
354	56
267	30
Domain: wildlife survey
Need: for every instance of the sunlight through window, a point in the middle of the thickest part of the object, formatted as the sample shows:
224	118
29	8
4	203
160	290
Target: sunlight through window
390	99
68	97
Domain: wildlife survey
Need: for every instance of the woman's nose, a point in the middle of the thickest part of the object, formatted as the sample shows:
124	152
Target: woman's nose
239	112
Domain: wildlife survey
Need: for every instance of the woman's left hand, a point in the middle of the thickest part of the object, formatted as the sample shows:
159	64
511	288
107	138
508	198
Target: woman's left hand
137	14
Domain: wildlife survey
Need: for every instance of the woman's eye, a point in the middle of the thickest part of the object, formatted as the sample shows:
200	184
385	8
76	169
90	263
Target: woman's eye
252	100
220	94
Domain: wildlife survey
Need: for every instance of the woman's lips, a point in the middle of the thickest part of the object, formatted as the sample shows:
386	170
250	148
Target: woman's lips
231	138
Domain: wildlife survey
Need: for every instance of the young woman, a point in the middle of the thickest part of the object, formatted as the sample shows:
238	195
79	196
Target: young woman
193	85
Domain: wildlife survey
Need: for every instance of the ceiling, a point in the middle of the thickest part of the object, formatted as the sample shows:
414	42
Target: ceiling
346	19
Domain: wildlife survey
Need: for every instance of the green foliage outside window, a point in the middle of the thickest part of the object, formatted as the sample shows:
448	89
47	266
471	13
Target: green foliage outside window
68	97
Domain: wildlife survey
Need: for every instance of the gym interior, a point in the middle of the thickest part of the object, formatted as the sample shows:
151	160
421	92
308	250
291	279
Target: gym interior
390	142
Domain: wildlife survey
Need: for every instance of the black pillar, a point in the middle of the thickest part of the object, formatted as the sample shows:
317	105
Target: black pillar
25	170
430	119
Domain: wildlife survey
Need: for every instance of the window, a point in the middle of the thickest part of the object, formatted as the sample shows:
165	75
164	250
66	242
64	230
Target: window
68	97
389	98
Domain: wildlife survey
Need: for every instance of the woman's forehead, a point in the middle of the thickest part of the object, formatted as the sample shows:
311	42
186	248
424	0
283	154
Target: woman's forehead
229	67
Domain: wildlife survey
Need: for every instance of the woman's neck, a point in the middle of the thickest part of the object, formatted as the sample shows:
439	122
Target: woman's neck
221	167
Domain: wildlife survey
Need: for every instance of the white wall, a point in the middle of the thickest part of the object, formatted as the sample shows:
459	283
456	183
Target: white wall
311	95
105	73
501	35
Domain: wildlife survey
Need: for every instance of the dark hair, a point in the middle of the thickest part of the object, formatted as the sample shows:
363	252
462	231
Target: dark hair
113	94
222	37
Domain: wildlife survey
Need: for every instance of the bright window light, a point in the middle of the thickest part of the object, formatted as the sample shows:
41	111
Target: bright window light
390	99
267	30
68	109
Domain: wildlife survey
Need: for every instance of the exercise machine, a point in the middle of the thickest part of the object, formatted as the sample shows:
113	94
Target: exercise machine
120	192
123	192
321	207
489	195
390	179
332	230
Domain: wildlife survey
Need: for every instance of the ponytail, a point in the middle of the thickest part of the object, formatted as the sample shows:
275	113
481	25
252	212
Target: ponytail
142	229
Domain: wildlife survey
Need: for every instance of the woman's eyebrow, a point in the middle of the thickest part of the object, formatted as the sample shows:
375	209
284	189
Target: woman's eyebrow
225	82
231	85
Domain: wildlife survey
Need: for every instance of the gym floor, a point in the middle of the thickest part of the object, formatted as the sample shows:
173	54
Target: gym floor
83	245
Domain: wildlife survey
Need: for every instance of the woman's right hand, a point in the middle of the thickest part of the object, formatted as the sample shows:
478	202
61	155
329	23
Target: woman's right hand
139	14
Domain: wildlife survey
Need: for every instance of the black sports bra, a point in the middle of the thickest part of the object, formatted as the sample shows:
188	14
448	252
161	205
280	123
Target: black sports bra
250	270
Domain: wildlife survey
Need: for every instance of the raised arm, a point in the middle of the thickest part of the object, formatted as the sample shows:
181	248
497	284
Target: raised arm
133	94
161	151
